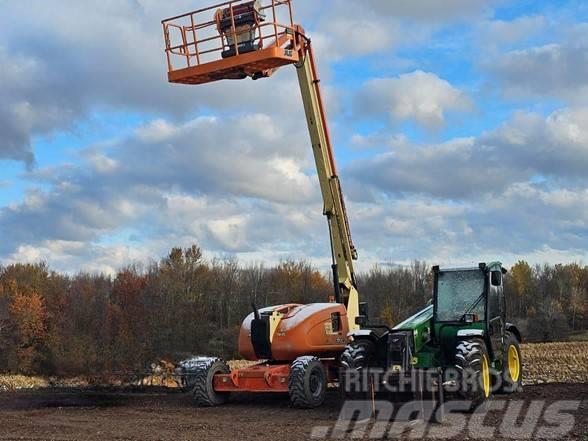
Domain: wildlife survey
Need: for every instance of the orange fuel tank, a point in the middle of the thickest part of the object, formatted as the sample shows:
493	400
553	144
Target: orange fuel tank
318	329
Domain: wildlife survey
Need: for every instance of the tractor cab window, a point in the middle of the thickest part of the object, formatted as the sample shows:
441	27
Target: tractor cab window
460	293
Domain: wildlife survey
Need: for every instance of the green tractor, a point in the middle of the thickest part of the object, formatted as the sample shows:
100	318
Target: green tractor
464	337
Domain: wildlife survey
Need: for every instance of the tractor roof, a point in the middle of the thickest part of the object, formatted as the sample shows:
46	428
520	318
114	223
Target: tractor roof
491	266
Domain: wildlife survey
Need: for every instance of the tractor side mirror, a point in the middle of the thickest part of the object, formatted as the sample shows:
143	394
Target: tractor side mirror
496	278
363	309
361	320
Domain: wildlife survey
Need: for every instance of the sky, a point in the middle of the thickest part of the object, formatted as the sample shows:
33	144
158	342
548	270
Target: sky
460	130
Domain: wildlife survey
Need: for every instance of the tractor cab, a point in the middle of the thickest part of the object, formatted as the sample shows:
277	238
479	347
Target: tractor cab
470	302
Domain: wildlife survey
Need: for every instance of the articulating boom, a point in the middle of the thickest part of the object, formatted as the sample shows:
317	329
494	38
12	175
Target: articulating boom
343	250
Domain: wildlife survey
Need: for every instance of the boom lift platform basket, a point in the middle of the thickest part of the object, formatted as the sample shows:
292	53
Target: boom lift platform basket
231	40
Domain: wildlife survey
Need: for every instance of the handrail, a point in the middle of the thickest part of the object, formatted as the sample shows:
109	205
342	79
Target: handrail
265	37
191	26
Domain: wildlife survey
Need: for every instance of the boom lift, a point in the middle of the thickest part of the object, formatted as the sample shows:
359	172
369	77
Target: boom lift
302	343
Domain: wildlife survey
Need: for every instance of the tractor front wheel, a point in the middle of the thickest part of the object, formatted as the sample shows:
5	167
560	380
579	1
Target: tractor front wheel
355	362
473	364
202	380
308	383
512	365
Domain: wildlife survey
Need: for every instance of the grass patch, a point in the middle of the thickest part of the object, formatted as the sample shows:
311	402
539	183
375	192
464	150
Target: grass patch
579	336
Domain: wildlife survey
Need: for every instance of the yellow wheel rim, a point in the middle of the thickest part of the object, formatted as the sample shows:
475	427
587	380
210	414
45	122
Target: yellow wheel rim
486	376
514	363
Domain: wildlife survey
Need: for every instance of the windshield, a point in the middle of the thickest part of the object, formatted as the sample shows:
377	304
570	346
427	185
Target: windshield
458	291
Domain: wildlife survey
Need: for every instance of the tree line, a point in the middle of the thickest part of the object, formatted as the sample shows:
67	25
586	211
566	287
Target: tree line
184	305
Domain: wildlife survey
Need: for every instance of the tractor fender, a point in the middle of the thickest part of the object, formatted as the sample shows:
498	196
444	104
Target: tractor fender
363	334
514	330
464	333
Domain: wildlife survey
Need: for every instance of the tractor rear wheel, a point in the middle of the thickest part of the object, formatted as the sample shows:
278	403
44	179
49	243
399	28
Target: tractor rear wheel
512	365
356	358
203	378
308	383
473	364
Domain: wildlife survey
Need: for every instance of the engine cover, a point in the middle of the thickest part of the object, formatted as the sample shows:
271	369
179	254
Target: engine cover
318	329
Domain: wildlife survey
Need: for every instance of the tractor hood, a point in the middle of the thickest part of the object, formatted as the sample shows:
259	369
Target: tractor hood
417	320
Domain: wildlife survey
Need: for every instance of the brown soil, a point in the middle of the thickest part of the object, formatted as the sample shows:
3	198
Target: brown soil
164	415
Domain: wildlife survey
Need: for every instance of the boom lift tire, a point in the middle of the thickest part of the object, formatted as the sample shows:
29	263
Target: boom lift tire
473	364
357	357
308	383
203	376
512	370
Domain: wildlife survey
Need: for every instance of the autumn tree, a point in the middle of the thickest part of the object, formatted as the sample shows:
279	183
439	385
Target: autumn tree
521	279
27	313
186	305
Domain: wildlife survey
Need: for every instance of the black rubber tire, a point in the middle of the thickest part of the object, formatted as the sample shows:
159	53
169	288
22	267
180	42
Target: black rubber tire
508	386
308	383
468	361
203	392
357	357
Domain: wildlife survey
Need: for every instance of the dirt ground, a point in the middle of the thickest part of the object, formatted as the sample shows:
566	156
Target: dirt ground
165	415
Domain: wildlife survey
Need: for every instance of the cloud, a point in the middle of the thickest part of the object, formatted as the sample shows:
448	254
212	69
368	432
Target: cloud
525	147
239	181
169	184
378	140
222	182
527	218
426	10
24	108
247	155
344	37
80	256
63	64
554	70
509	32
524	222
419	96
71	64
345	29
